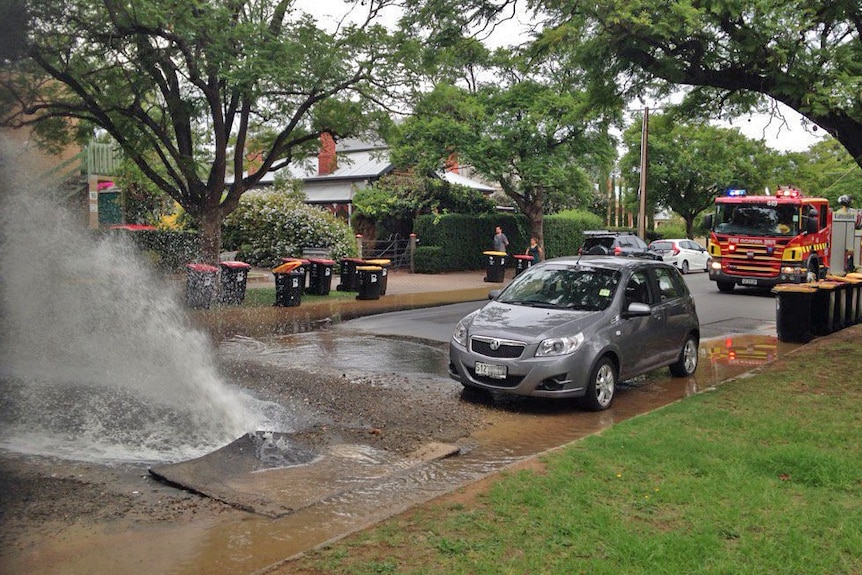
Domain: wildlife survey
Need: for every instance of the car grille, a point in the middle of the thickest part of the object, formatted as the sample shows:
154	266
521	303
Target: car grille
504	348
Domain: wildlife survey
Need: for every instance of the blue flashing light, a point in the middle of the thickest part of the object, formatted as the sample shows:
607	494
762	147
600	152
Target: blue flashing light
734	192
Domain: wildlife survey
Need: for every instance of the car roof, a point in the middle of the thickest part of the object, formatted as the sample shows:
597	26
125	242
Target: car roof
610	262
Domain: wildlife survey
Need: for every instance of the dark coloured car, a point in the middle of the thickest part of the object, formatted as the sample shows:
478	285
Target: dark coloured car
628	244
575	326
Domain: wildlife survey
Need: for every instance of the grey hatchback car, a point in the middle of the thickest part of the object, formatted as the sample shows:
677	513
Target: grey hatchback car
573	327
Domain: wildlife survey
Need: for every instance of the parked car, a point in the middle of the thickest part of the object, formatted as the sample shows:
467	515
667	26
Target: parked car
573	327
685	254
603	242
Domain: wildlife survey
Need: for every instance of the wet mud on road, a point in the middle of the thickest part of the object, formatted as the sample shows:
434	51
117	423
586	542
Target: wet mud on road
66	517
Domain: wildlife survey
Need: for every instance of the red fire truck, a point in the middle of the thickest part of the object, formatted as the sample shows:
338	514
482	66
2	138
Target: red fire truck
761	241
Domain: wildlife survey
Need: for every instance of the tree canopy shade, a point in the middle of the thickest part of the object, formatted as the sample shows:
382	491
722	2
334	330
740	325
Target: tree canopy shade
691	164
189	88
805	54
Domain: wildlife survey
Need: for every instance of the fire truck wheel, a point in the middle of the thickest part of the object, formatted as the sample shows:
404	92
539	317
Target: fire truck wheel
725	287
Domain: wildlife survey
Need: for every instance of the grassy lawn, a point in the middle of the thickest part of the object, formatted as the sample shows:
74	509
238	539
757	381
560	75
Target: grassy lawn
761	475
265	296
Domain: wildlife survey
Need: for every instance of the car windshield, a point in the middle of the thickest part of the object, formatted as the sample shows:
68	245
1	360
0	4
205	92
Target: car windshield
579	288
761	219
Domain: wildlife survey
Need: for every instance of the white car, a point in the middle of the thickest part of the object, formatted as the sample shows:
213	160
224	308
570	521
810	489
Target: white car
685	254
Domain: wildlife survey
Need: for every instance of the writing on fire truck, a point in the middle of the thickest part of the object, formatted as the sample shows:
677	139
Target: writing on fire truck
765	240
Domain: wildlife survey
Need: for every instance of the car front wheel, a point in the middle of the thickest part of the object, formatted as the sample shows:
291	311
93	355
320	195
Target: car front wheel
687	362
601	386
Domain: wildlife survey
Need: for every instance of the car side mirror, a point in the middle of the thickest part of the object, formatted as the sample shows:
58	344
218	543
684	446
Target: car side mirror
637	309
493	294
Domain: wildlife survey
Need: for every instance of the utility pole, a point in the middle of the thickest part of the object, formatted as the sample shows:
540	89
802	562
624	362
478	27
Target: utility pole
643	188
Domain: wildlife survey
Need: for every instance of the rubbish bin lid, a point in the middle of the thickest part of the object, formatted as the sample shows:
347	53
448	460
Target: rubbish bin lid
357	260
286	267
855	275
323	261
825	285
523	257
793	288
379	262
493	253
236	265
202	268
368	268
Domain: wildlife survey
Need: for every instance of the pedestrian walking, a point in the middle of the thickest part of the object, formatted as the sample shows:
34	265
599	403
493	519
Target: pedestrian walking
535	250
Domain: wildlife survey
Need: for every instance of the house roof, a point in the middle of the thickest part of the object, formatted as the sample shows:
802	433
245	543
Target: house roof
359	164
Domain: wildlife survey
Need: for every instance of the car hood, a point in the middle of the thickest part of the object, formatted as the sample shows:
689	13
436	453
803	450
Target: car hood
524	323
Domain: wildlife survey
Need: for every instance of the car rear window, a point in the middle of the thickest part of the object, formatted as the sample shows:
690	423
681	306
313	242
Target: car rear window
604	242
661	245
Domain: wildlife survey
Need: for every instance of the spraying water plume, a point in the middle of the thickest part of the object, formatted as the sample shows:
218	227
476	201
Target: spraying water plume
96	362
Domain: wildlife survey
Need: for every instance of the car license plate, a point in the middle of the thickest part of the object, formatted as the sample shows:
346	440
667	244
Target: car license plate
491	370
749	282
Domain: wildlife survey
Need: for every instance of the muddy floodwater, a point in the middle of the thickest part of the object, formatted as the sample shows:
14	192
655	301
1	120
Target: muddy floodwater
345	488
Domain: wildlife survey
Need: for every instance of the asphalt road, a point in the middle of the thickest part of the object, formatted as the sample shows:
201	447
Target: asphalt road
743	311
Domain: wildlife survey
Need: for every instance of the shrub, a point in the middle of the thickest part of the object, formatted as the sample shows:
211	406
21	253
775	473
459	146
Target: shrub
270	225
428	260
168	250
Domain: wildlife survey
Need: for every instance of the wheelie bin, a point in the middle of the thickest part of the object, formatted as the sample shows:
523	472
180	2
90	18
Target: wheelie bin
522	262
302	267
234	277
288	284
793	312
369	282
348	277
384	264
496	266
319	276
200	285
823	307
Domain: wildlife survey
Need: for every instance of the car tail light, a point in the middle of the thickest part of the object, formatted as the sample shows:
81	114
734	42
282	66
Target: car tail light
618	250
675	251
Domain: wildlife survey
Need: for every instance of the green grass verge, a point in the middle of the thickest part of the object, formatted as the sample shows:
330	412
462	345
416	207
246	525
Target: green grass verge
257	297
762	475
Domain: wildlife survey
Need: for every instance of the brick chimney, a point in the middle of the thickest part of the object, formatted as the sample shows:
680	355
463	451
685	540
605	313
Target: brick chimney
452	163
326	159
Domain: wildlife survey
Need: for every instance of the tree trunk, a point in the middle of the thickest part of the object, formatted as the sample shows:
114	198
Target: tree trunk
210	238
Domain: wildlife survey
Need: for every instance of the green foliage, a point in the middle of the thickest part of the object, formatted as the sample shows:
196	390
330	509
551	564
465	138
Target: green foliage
728	55
269	225
168	250
458	240
564	232
690	164
672	230
428	260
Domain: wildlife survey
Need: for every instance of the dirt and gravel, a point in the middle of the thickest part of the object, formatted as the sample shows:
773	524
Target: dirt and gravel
43	498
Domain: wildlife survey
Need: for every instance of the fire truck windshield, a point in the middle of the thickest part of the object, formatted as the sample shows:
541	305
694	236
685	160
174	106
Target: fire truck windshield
757	220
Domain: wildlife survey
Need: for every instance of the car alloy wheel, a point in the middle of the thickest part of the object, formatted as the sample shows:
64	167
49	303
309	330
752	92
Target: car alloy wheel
601	386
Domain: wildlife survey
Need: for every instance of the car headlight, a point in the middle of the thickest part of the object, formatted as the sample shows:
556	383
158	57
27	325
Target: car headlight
559	345
460	333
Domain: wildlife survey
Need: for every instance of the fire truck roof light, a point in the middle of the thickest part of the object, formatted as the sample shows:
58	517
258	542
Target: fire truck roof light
787	193
734	192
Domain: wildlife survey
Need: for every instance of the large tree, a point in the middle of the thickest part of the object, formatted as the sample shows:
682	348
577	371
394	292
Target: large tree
691	164
805	54
521	122
184	87
734	56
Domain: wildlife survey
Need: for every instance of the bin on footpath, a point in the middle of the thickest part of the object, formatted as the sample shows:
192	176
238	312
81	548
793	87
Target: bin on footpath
851	287
349	278
303	267
496	266
858	277
234	277
200	285
384	275
522	262
793	312
369	282
288	284
319	276
823	306
841	296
